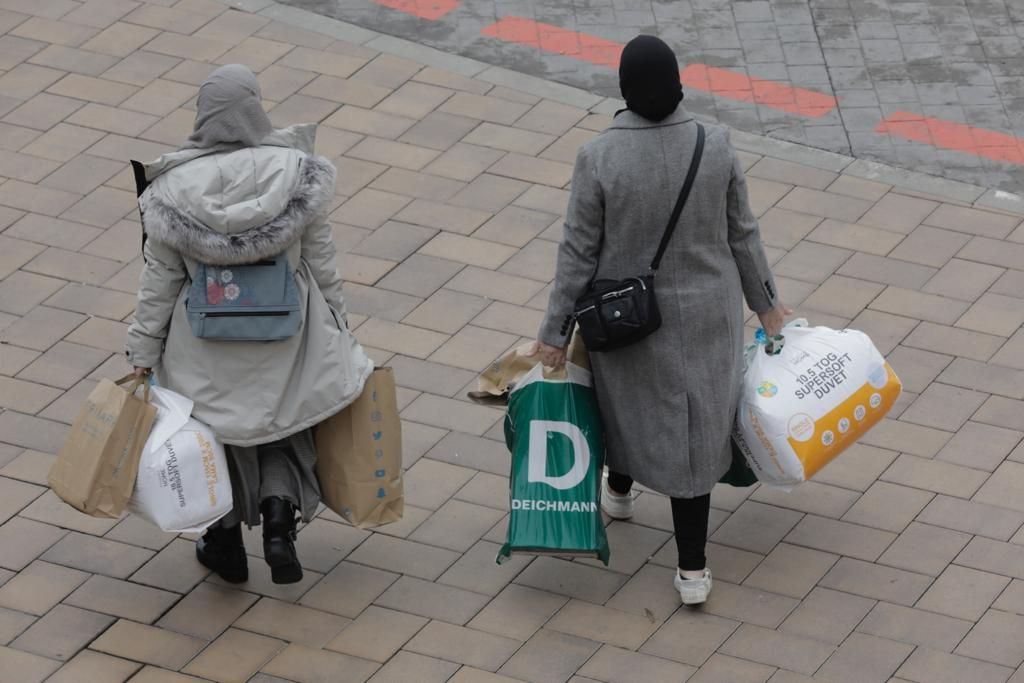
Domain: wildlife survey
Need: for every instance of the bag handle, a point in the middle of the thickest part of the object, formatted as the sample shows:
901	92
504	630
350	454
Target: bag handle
698	151
134	384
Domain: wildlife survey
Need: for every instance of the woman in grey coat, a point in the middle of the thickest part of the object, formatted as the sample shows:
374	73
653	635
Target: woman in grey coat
240	193
667	402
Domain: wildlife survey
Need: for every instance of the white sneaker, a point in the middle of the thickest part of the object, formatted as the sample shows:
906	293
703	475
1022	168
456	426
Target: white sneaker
693	591
615	505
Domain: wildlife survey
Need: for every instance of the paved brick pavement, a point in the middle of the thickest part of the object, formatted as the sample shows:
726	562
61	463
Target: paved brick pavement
902	561
960	62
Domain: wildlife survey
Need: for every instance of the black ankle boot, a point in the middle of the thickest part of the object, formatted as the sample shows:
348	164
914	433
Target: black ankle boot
279	540
221	550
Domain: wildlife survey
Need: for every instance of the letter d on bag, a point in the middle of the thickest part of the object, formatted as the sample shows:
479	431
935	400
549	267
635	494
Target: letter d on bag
537	470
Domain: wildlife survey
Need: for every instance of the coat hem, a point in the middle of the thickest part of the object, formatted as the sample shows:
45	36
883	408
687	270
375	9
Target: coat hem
691	494
307	423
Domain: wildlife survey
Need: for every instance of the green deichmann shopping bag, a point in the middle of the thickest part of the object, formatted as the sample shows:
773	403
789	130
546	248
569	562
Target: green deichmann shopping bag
553	430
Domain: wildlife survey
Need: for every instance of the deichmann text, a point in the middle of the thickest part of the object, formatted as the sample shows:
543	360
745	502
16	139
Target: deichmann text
553	505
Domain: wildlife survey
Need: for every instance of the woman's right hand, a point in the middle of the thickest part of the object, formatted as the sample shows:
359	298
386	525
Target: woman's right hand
141	372
550	356
773	320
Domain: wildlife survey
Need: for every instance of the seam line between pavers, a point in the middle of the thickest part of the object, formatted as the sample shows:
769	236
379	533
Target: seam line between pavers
426	55
974	195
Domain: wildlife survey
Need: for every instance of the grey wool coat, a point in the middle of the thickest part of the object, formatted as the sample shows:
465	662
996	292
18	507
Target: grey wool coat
667	402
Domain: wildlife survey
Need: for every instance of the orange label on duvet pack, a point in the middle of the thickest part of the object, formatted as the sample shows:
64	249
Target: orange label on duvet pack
850	420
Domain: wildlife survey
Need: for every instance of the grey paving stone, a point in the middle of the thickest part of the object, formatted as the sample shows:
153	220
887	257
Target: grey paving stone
914	626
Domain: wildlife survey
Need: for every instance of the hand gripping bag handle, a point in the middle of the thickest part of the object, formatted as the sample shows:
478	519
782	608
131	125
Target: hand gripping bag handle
134	383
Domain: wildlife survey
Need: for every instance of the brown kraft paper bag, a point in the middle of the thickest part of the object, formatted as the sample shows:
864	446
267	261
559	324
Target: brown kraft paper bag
497	381
359	456
96	467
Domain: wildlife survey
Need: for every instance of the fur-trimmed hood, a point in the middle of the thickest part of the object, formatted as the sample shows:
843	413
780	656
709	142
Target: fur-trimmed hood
237	207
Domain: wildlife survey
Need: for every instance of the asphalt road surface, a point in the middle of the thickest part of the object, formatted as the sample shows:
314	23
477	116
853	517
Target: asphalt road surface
935	86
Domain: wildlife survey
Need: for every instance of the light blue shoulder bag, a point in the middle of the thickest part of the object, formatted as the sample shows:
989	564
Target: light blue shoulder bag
251	302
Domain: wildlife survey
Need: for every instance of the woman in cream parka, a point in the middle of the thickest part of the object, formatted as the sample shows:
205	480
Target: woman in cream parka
237	193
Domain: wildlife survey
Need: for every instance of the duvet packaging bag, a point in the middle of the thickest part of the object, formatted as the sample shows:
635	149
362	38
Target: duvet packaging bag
804	405
553	430
183	483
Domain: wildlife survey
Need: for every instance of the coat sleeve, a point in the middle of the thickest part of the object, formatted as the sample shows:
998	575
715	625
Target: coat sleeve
745	243
578	253
320	252
163	276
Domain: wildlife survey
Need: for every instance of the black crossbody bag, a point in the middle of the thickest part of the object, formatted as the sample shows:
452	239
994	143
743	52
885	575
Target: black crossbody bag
617	313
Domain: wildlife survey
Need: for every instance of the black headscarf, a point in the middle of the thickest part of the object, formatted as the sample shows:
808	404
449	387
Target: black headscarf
649	78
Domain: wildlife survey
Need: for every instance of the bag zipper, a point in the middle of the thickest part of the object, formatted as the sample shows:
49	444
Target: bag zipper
624	291
242	314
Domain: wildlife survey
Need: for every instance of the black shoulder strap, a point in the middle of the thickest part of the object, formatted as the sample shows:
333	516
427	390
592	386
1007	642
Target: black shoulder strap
139	171
698	151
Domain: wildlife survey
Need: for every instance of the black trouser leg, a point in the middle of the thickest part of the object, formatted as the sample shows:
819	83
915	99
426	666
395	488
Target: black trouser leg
619	483
690	519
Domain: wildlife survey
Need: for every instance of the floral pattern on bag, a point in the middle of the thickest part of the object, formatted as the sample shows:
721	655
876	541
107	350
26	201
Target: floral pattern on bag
214	292
220	287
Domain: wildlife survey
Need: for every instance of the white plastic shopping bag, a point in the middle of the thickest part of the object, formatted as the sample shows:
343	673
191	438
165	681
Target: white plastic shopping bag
183	483
803	406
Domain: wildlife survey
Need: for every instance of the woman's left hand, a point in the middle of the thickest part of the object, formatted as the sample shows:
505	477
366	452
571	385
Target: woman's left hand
773	320
550	356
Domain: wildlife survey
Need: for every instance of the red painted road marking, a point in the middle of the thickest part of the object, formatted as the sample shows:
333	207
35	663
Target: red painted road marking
557	40
424	9
736	86
731	84
954	136
720	82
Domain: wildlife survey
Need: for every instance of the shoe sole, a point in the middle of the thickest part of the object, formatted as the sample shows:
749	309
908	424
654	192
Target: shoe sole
234	578
283	569
692	601
616	516
290	573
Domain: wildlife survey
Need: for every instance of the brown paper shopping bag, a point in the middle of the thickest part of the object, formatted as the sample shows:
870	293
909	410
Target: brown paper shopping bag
96	467
359	456
497	381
